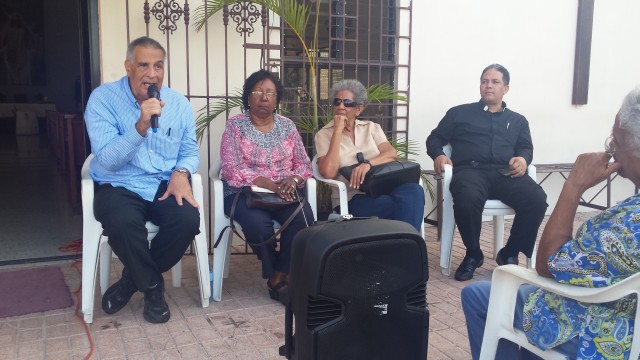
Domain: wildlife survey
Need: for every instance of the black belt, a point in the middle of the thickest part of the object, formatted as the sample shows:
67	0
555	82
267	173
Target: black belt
476	164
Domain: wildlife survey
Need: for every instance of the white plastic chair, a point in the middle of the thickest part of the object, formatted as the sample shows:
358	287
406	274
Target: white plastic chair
495	208
342	191
504	287
221	253
95	244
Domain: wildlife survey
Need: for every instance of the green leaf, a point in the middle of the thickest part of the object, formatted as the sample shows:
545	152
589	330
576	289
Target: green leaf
219	106
383	92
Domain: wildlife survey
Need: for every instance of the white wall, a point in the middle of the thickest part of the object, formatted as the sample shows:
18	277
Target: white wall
535	40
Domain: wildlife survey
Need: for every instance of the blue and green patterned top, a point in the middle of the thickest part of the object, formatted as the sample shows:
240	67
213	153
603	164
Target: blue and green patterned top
606	250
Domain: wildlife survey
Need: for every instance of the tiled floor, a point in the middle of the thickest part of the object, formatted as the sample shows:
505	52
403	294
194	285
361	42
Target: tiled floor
247	324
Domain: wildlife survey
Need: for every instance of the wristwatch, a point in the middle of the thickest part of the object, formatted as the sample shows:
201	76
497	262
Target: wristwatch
368	162
183	170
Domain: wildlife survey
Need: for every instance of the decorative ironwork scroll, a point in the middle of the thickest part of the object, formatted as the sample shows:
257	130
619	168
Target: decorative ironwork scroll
244	14
167	12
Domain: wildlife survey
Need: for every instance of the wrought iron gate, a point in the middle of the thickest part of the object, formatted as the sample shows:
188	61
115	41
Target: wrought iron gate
364	39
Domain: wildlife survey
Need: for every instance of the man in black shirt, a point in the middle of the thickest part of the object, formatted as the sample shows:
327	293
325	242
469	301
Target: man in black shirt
491	149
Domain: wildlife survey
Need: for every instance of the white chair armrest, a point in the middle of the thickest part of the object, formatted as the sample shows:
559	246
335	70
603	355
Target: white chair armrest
504	287
531	171
217	195
196	187
342	188
312	196
613	292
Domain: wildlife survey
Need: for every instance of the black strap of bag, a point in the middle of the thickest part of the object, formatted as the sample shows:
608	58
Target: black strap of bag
268	241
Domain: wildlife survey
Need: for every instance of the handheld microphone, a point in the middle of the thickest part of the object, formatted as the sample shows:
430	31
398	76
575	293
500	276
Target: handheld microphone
153	92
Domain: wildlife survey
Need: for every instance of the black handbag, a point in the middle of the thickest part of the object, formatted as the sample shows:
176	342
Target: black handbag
382	179
266	200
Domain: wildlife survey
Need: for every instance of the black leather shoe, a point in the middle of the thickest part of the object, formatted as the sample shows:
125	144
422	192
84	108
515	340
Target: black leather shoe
118	295
467	267
156	310
502	260
279	292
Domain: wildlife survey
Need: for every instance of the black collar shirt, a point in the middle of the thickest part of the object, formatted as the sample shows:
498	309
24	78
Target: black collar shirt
478	135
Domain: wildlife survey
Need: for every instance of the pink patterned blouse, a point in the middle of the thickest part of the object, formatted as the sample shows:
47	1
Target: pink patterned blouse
247	153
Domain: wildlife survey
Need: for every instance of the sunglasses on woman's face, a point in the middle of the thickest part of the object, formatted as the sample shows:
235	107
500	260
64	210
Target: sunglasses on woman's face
346	102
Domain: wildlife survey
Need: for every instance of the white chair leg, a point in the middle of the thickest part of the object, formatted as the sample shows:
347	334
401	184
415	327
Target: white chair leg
90	251
202	262
227	258
176	274
498	234
446	247
219	261
531	262
200	244
105	265
500	313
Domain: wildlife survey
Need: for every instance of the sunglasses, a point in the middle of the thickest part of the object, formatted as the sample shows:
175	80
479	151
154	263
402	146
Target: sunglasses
346	102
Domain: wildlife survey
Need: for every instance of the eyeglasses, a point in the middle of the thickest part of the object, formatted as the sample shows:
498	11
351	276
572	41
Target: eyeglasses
346	102
259	94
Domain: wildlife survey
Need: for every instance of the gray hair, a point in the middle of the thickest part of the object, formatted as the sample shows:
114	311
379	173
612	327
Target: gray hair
355	86
629	119
144	42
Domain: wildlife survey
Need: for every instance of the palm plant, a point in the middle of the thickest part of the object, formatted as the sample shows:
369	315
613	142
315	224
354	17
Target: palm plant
293	13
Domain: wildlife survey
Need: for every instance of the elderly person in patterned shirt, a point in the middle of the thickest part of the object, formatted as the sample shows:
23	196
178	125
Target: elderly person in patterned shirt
580	330
262	148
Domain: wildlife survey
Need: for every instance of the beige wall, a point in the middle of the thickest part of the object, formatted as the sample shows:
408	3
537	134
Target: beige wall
454	40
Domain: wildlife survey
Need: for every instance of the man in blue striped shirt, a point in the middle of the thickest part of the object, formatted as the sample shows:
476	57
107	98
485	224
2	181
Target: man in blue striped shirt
142	174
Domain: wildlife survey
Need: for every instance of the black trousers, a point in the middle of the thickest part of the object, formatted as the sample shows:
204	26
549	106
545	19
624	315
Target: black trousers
123	215
257	226
471	187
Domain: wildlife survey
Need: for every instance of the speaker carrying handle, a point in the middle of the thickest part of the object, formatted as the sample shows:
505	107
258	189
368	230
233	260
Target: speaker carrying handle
347	217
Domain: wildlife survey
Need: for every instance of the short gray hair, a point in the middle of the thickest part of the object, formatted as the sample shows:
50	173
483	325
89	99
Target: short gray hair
144	42
355	86
629	118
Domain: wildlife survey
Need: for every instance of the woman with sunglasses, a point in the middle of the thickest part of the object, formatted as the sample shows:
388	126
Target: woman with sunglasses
339	142
262	148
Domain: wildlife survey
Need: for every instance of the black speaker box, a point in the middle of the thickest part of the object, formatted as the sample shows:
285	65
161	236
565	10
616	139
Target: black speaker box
358	291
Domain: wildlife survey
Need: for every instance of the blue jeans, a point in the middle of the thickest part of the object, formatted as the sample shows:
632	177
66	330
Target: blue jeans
475	302
404	203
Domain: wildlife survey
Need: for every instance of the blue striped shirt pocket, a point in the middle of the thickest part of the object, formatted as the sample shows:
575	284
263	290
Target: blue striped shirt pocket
165	146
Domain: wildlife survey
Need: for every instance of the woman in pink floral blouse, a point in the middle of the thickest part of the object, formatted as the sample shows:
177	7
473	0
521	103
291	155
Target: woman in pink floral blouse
262	148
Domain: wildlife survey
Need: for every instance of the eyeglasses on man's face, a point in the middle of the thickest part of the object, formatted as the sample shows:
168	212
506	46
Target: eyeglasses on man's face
346	102
269	95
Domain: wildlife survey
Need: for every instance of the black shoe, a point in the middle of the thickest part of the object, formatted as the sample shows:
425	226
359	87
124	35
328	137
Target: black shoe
156	310
502	260
118	294
467	267
279	292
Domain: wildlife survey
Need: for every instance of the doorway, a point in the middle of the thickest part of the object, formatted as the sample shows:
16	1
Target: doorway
45	47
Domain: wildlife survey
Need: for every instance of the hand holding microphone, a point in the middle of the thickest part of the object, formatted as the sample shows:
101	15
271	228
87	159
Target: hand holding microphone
153	92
